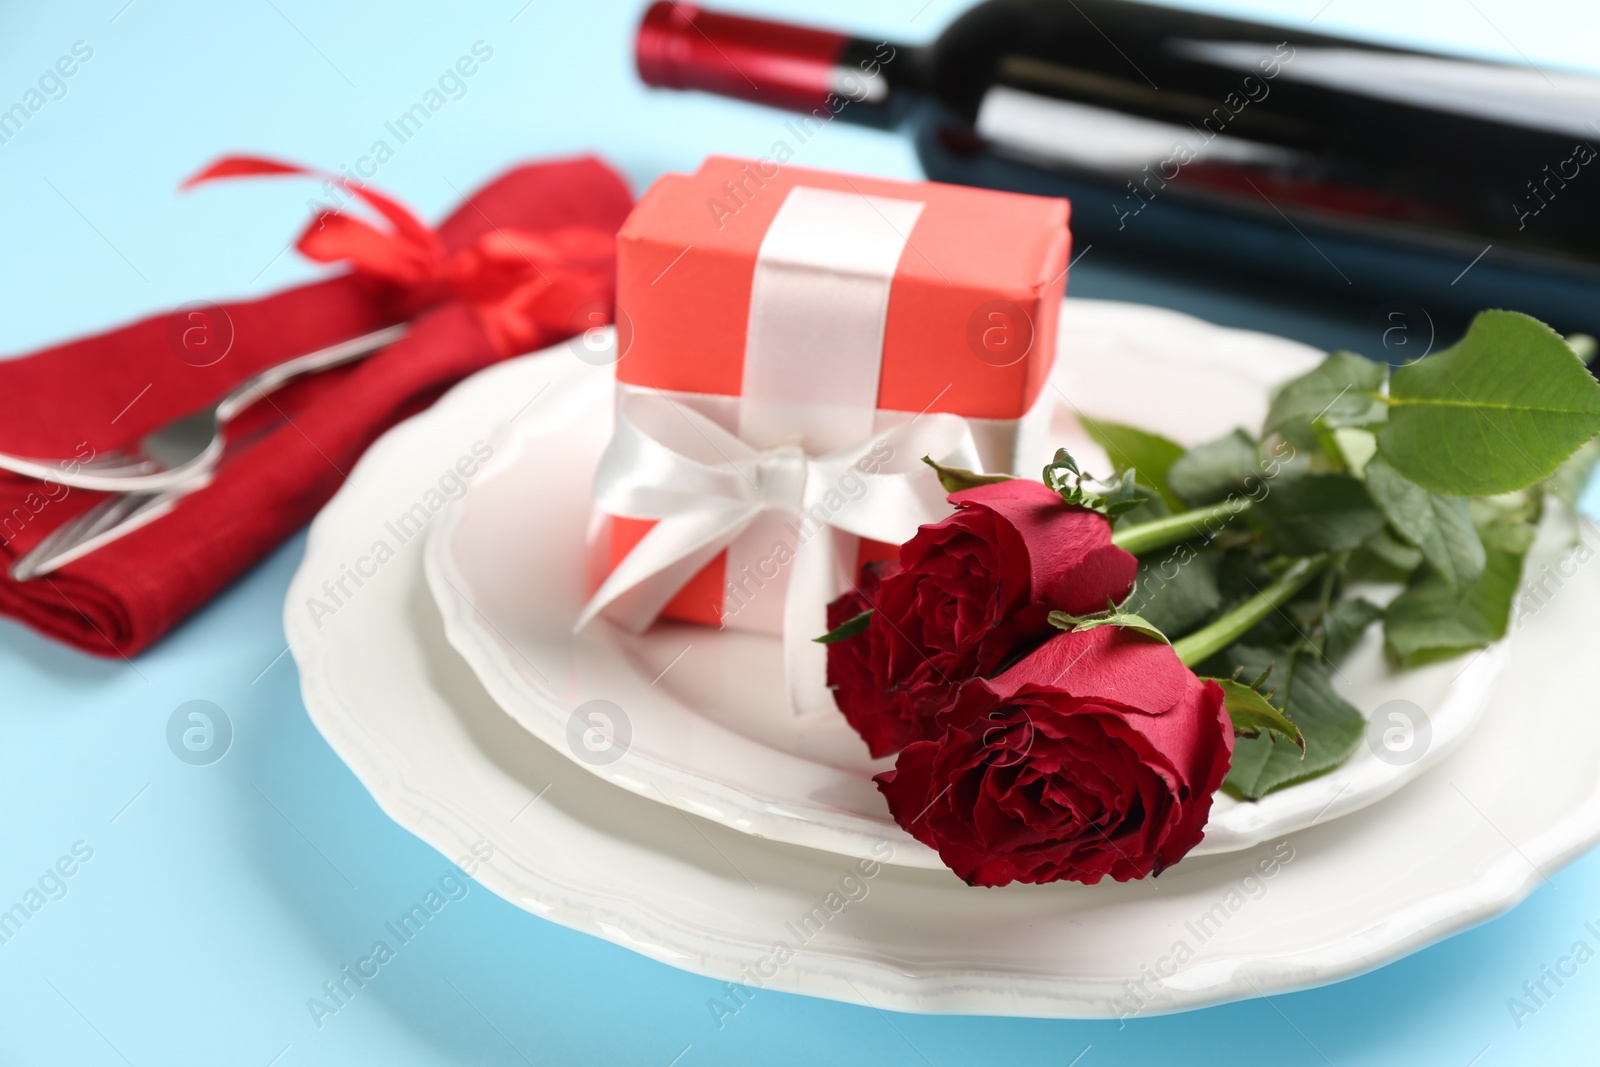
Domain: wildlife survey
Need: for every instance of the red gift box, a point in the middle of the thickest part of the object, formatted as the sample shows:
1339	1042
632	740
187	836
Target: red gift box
816	308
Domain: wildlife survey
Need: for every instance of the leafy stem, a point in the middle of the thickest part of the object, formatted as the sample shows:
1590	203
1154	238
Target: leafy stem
1174	529
1208	641
1330	578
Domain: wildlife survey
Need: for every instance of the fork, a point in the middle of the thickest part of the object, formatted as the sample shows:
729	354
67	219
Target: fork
191	446
107	521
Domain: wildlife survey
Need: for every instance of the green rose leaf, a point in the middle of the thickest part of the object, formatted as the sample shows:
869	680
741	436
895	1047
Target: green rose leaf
1332	728
1316	513
1341	391
1149	455
955	479
1432	621
1508	523
1392	552
1208	473
1354	448
1177	590
849	628
1498	411
1440	526
1253	716
1344	624
1078	623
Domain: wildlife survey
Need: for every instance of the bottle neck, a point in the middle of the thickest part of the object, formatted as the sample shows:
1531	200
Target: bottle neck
682	46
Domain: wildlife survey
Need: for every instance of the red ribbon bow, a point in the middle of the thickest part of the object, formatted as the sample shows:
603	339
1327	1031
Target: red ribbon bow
500	275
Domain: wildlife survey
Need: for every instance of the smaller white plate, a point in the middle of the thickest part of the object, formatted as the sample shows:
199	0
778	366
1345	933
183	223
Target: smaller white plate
698	717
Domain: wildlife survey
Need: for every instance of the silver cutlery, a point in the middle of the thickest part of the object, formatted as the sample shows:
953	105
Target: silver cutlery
177	460
112	518
192	445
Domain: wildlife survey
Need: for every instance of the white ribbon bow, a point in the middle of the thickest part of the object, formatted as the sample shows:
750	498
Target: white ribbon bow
705	486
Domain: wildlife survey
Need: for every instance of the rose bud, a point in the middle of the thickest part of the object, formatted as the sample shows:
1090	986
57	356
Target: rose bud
969	595
1097	754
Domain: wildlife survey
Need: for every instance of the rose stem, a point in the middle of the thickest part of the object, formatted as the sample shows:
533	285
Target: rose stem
1208	641
1178	528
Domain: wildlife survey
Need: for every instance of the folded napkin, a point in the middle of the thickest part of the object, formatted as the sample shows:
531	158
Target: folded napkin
523	263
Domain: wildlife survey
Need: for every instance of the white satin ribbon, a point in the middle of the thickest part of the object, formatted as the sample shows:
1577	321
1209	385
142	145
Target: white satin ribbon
705	486
819	307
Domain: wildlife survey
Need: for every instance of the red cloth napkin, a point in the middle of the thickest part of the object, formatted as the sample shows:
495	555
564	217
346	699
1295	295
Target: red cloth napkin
468	305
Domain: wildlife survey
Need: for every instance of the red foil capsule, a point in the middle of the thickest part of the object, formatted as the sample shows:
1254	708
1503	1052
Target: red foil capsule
681	46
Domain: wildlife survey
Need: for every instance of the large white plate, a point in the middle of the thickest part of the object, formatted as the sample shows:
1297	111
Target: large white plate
1517	799
703	713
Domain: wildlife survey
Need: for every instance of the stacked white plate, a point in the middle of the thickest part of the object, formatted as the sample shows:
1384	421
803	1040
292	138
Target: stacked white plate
656	791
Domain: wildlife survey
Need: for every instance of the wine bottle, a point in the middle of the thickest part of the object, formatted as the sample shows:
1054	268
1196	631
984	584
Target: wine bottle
1256	151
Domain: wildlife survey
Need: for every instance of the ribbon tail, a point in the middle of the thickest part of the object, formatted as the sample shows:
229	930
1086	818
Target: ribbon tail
663	561
814	580
414	239
242	167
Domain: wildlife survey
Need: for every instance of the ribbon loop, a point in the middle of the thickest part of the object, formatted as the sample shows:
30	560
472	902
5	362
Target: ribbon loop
518	283
705	486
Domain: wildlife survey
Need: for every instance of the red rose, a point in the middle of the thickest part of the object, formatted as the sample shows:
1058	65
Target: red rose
1097	754
970	594
884	719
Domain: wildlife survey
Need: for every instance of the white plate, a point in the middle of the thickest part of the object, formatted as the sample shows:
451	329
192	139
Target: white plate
704	714
1461	844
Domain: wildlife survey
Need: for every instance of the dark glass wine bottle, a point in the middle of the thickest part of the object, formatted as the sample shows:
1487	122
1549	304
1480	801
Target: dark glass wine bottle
1253	150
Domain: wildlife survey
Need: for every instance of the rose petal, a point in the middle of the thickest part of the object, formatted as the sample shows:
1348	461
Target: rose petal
1110	664
1073	566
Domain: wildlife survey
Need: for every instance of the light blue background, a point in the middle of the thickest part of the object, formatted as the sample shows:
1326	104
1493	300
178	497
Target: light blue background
219	898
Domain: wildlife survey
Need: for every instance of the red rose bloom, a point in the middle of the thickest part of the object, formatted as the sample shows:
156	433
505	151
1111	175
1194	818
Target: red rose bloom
884	719
970	594
1097	754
